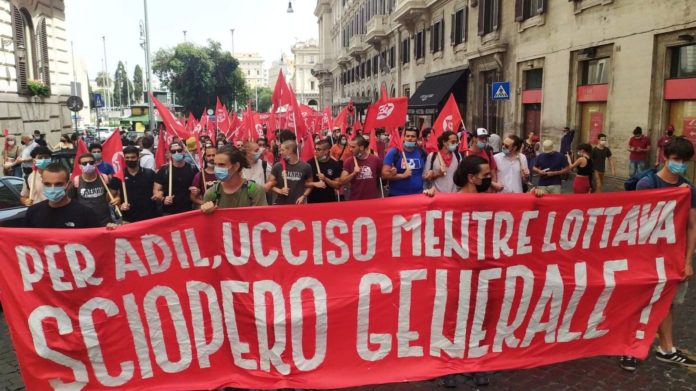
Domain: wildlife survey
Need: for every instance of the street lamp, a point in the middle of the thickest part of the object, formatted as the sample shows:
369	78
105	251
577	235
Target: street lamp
290	10
184	35
145	43
232	34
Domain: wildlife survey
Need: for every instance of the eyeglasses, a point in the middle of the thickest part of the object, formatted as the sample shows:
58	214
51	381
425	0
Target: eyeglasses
176	150
88	162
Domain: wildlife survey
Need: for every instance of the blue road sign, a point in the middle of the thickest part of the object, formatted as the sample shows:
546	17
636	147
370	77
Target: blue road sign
98	100
500	90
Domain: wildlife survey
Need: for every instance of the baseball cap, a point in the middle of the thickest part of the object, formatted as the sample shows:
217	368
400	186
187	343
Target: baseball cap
481	132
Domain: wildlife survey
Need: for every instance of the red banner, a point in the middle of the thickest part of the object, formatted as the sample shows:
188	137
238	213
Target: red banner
316	296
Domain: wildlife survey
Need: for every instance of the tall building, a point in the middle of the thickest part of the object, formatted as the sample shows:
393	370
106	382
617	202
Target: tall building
599	66
252	68
285	64
37	68
303	83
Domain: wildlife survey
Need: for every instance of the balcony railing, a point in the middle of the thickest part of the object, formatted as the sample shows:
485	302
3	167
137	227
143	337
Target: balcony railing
377	28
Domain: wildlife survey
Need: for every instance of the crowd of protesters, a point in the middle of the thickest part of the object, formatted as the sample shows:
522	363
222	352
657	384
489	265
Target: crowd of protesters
344	168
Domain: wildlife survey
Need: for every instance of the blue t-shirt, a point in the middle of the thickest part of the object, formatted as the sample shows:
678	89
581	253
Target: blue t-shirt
413	184
655	182
105	168
554	161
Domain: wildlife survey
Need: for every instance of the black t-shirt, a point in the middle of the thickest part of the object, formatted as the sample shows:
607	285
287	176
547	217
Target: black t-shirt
182	177
332	170
139	188
72	215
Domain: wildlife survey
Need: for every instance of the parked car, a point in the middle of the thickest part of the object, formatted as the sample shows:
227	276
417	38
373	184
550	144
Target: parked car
11	209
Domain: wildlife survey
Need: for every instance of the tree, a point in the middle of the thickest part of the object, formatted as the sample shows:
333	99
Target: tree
103	79
138	84
264	94
199	74
121	86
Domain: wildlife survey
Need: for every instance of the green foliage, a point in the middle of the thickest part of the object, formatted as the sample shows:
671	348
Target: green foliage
265	103
103	79
37	88
137	90
199	74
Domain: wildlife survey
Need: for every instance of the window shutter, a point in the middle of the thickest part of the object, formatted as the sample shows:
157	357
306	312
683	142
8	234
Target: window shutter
519	10
496	14
442	34
43	44
452	29
481	19
20	47
432	41
541	6
465	24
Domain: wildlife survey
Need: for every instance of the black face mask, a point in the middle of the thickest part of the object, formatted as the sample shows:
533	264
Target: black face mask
485	184
132	163
670	133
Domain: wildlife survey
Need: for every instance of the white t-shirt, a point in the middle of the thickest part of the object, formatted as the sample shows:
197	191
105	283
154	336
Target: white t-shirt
37	192
443	184
510	172
255	172
26	154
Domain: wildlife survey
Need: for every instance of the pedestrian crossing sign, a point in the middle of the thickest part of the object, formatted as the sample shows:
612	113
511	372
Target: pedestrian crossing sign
500	90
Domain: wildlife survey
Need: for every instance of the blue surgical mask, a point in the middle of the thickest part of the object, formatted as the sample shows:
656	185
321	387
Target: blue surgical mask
54	194
409	144
42	163
678	168
222	173
88	168
257	155
177	157
481	145
452	147
506	151
97	155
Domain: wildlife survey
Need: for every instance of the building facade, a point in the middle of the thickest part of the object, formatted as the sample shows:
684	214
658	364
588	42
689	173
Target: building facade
303	82
37	68
251	65
598	66
286	64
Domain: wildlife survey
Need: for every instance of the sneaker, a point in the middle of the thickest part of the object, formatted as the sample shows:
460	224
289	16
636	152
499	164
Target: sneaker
481	379
678	357
449	381
628	363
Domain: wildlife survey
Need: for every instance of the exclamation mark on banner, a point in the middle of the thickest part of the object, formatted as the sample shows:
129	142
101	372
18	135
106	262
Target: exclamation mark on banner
661	280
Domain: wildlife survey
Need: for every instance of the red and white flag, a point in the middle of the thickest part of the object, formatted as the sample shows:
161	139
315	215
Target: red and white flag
112	152
387	113
81	149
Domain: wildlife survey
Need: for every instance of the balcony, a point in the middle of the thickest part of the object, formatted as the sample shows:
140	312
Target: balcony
408	11
377	29
343	58
357	46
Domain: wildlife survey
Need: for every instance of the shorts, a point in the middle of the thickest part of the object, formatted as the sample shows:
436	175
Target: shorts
551	189
581	184
680	295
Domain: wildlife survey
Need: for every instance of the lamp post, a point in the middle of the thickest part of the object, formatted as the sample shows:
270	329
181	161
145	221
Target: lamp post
150	114
232	34
106	71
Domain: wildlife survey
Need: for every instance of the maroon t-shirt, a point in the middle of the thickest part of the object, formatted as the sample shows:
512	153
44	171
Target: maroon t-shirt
638	142
365	185
209	181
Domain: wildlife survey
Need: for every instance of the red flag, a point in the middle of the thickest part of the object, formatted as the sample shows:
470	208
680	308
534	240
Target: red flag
464	141
170	122
327	119
388	113
283	96
191	124
448	119
307	153
81	148
221	117
395	140
161	153
112	152
342	120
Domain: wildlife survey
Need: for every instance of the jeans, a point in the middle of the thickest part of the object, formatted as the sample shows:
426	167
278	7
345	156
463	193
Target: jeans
635	167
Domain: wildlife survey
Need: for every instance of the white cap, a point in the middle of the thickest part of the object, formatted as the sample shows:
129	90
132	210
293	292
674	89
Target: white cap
481	132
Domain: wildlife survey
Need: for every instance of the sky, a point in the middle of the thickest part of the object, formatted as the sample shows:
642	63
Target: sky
261	26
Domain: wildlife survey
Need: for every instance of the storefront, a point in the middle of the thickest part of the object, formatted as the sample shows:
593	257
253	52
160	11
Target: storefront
430	95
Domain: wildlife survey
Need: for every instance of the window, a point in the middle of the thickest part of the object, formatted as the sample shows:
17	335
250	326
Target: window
489	16
392	57
595	71
405	51
533	79
31	49
368	68
420	44
383	61
683	61
437	39
375	60
8	199
407	90
311	85
525	9
459	25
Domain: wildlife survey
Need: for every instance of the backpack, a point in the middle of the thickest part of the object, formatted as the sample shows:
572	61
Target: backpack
456	154
247	185
631	183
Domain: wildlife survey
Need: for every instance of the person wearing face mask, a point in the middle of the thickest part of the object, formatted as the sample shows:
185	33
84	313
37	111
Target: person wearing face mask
89	190
582	183
140	182
340	150
669	135
266	153
232	190
362	170
12	165
405	176
638	147
511	165
177	199
58	210
64	143
103	167
479	147
678	154
600	154
291	179
32	191
440	166
382	142
197	188
326	172
258	169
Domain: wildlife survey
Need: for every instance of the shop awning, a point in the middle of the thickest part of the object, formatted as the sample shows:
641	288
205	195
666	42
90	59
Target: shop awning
429	95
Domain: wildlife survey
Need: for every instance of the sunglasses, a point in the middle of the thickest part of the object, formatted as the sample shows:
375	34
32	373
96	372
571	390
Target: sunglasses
176	150
87	162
